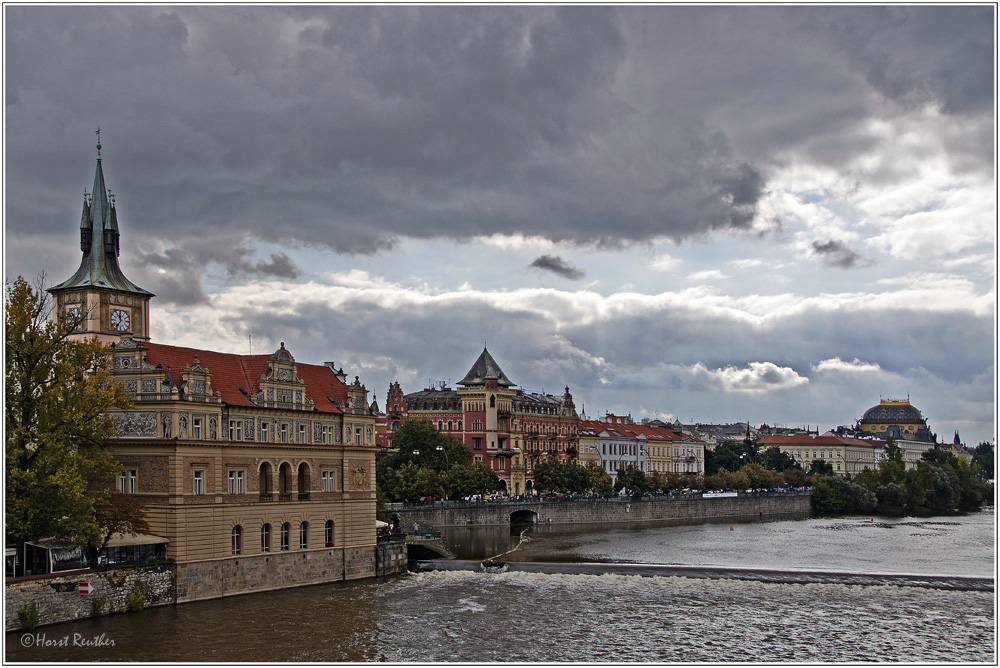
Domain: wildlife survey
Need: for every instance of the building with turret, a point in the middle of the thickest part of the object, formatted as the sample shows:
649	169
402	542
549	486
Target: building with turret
257	471
505	427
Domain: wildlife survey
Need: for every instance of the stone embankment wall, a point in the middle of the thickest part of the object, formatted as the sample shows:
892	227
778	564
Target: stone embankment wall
56	599
216	578
597	511
390	557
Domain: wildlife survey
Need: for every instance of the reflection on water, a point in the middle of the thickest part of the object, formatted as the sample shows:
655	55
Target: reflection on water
527	617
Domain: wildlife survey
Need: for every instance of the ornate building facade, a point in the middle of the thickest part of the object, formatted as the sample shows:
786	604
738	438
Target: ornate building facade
259	470
505	427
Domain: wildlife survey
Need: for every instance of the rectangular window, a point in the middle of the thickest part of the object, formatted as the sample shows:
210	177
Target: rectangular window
236	482
302	433
196	428
283	430
127	482
357	436
477	443
328	481
235	430
264	436
199	482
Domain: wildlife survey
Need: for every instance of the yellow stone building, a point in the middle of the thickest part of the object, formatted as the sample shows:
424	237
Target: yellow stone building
259	470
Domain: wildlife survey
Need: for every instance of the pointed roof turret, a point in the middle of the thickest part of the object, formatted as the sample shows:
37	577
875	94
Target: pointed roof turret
485	368
99	241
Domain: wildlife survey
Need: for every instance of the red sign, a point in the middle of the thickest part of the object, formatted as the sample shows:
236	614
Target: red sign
84	587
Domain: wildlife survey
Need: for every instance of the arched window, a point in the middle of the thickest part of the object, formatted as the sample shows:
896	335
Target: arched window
265	538
285	528
460	425
440	426
493	401
304	535
237	539
328	533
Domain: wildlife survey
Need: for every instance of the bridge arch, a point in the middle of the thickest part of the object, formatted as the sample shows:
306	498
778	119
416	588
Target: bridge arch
524	516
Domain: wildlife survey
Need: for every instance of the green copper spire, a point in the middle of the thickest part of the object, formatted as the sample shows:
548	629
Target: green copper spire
99	241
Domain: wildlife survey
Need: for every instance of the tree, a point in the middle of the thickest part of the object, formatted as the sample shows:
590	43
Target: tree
422	437
725	455
632	480
773	459
759	477
984	458
821	467
58	394
892	469
599	480
123	513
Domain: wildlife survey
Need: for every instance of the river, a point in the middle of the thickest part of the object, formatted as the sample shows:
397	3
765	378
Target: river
511	616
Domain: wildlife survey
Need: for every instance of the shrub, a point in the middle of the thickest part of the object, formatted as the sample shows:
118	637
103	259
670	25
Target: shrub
28	617
96	605
135	601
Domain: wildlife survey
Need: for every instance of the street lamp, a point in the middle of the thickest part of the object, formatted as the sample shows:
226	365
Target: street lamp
446	462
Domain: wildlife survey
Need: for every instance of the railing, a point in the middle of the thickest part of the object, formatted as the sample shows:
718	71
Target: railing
266	497
284	497
573	498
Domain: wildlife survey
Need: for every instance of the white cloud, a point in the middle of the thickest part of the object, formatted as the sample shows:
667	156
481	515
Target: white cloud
838	365
758	377
708	275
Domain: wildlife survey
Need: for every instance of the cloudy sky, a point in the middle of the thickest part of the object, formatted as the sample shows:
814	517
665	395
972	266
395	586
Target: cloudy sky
774	214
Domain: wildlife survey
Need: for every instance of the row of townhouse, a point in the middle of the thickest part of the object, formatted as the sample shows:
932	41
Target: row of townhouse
616	442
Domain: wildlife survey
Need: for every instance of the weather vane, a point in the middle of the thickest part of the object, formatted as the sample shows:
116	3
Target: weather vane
98	142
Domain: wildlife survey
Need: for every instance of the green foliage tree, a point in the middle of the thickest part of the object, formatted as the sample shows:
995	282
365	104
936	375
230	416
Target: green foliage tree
773	459
422	437
758	476
821	467
632	479
725	456
827	496
892	469
984	458
58	395
599	481
469	480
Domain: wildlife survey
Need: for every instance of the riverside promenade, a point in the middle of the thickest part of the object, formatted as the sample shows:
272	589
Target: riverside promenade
683	509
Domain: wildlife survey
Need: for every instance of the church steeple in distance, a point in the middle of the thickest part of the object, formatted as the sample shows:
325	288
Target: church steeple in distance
110	303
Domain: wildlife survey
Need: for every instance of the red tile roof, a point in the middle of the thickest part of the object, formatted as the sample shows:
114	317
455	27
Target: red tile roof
809	441
237	377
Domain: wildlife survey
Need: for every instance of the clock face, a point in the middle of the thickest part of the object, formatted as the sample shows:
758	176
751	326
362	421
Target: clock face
120	320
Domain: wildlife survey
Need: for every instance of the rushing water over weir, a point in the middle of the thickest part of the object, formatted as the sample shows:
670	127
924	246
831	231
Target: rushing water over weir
767	592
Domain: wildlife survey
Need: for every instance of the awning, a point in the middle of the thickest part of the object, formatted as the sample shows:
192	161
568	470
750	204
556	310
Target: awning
380	523
118	540
124	540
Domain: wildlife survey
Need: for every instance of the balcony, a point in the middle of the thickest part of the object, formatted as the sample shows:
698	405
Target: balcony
265	498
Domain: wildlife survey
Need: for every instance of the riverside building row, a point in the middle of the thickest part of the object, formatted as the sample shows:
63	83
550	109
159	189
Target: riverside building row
511	430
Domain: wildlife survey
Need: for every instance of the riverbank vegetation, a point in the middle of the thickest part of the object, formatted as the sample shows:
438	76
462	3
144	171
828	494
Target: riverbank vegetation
426	463
941	484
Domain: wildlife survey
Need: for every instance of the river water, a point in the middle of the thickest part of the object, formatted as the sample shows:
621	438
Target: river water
507	615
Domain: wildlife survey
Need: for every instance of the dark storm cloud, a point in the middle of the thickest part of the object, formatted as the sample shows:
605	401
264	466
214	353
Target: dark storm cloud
837	254
177	271
559	266
349	127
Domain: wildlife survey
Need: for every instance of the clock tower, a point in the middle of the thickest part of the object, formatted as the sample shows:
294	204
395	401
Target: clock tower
107	304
